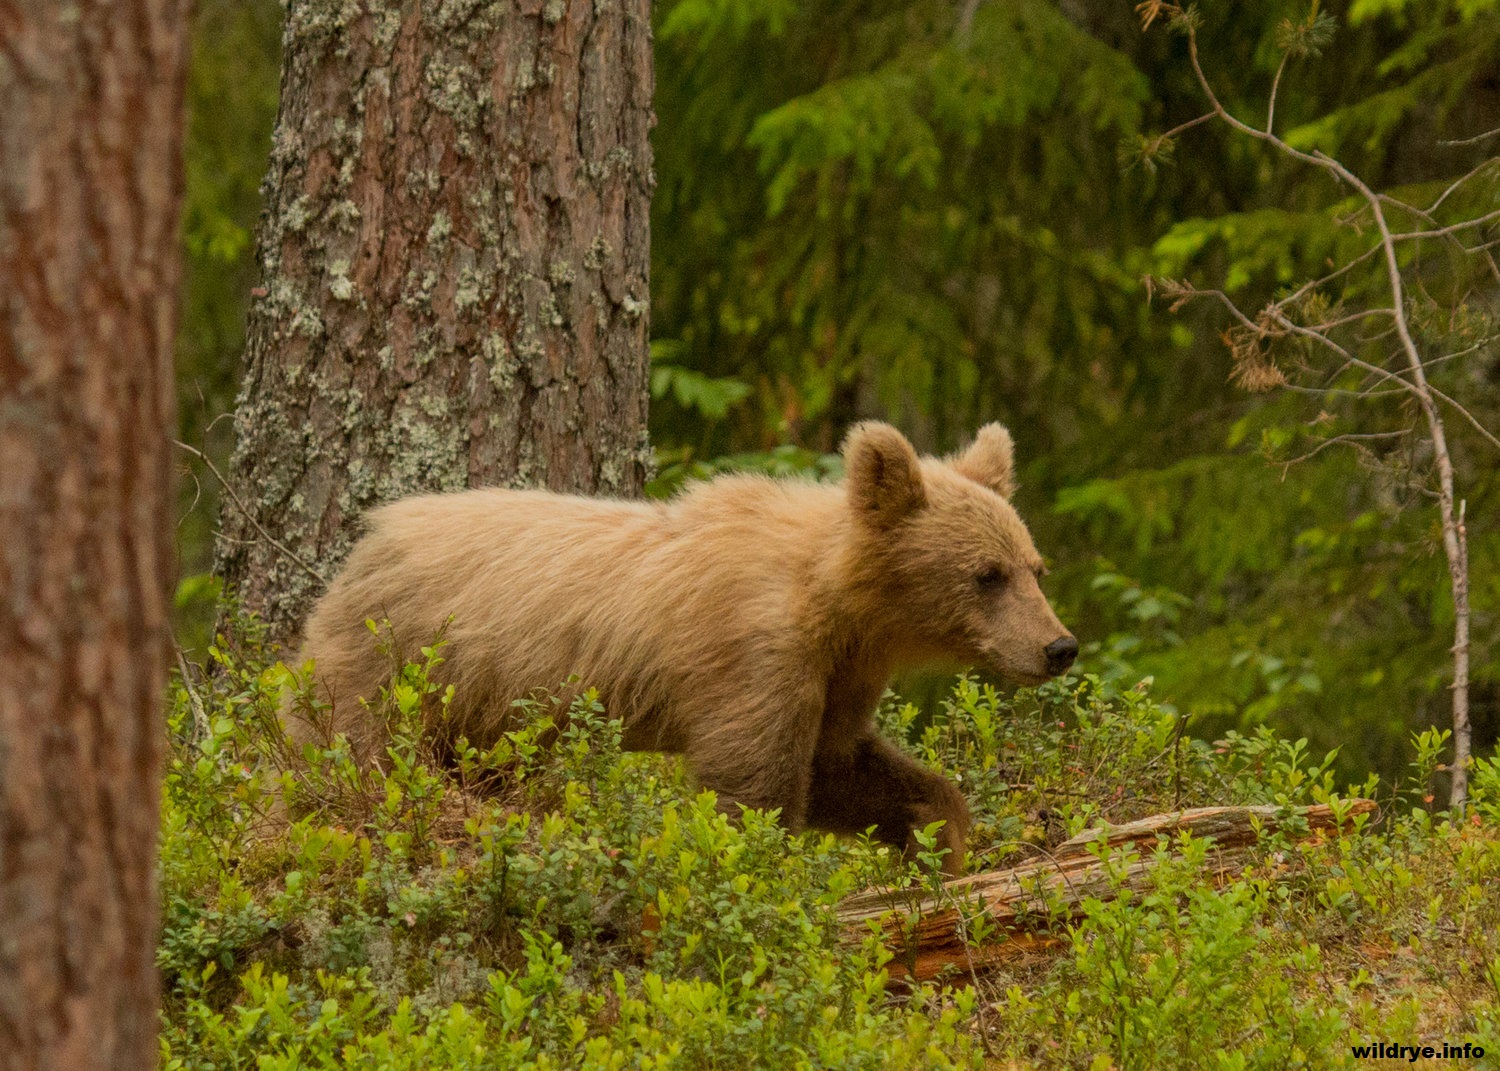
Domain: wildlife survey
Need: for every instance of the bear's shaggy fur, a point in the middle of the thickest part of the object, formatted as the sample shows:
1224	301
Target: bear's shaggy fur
751	624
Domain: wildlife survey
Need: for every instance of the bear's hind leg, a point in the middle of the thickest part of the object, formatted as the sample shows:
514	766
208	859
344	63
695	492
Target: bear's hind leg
874	783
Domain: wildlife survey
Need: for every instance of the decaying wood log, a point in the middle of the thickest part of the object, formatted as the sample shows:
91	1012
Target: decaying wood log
928	933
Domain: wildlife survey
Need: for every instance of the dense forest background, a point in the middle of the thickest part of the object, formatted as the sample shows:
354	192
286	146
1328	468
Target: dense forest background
943	213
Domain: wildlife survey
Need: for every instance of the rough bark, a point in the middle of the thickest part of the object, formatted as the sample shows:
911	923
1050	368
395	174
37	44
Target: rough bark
455	264
90	187
1026	905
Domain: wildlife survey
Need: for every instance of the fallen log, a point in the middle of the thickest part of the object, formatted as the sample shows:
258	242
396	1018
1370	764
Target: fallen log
1026	906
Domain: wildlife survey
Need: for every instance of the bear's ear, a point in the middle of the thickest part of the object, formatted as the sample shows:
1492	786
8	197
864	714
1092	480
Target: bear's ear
883	474
990	460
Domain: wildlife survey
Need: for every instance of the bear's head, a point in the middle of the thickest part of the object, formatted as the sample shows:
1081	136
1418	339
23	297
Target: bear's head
946	559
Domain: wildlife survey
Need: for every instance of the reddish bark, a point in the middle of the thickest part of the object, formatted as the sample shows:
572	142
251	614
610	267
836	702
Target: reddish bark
1027	905
90	187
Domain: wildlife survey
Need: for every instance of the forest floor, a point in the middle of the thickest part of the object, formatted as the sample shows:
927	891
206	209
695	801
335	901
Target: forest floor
556	903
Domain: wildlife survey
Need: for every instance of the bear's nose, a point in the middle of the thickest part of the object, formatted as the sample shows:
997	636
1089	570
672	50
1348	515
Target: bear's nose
1060	654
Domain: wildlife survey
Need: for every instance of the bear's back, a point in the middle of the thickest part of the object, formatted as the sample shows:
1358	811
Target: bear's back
529	587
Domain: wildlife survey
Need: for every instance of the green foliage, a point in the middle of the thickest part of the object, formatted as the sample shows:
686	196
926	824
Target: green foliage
712	398
1359	558
1319	603
918	211
585	909
781	462
231	103
1185	976
845	220
920	217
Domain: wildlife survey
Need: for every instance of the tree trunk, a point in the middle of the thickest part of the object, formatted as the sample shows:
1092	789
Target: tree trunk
455	263
90	187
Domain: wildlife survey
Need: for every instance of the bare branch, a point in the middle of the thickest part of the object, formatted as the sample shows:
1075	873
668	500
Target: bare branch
1475	140
1356	362
1224	299
1442	232
966	19
1468	416
1345	321
239	505
1346	439
1455	544
1180	127
1305	288
1462	178
1275	85
1318	160
201	727
1431	361
1345	391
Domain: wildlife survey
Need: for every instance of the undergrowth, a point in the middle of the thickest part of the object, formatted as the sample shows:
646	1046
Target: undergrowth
555	902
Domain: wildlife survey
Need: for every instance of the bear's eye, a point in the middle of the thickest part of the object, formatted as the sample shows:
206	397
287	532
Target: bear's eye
990	579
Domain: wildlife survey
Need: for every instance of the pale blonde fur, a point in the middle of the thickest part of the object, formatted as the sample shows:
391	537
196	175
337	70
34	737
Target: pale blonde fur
749	623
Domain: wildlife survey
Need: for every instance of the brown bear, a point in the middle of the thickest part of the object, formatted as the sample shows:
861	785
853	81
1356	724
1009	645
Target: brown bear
750	624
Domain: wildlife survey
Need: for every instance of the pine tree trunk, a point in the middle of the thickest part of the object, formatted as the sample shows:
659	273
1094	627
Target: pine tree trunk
90	188
455	264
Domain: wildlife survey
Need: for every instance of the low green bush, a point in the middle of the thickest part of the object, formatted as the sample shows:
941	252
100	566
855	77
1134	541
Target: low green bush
555	902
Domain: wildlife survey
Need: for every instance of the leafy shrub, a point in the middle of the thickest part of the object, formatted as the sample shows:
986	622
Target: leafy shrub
592	912
555	902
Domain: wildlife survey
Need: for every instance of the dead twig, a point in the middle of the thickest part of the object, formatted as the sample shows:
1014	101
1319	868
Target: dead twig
1029	904
291	555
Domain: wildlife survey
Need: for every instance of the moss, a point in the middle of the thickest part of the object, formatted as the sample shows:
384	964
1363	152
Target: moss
645	457
550	311
260	423
409	436
427	350
354	407
483	216
416	294
313	28
435	405
468	20
618	163
526	77
387	25
611	475
532	353
360	483
525	474
421	181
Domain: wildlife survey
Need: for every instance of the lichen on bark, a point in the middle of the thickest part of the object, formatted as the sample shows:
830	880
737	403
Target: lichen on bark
455	289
